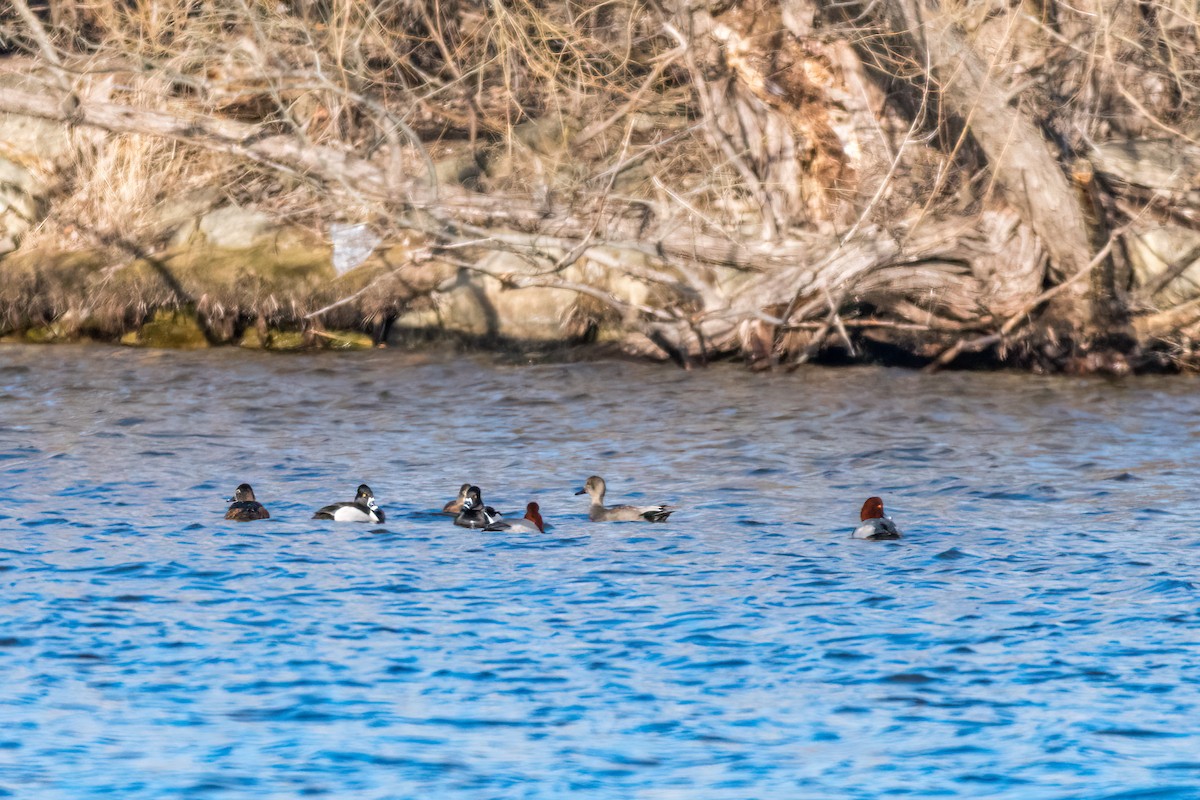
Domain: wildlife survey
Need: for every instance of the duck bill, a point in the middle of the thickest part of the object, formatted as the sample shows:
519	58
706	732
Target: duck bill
581	491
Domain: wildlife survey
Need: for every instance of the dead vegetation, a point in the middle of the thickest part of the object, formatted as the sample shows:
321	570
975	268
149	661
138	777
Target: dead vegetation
932	183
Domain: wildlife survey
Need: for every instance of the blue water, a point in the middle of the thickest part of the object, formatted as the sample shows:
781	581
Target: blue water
1035	635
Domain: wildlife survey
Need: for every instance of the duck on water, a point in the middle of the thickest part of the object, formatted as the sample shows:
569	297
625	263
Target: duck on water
361	509
531	523
474	514
244	507
455	505
595	488
874	524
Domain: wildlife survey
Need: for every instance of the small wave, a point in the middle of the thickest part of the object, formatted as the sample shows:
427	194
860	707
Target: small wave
1139	733
434	768
910	678
953	554
471	723
724	663
1187	792
292	713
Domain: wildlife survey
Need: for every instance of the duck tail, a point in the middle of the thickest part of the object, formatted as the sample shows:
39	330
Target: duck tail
659	514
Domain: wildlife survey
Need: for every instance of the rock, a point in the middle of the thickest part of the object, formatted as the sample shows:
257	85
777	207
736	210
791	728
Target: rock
490	303
178	218
32	140
482	305
286	341
251	339
22	203
232	227
345	340
47	334
169	329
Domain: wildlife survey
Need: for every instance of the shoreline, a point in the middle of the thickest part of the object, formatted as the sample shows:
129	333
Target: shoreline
282	293
445	349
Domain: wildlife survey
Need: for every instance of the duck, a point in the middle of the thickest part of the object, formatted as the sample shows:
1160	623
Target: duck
361	509
455	505
474	514
874	524
530	523
595	487
245	508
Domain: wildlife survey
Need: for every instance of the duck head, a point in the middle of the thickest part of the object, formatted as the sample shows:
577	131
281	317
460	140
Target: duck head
242	494
473	500
594	487
365	496
872	509
533	514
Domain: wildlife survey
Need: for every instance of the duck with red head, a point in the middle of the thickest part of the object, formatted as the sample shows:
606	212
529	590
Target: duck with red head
530	523
874	524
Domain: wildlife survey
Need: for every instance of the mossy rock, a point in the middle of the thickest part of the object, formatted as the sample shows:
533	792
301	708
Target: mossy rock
346	340
252	339
48	334
280	280
177	330
286	341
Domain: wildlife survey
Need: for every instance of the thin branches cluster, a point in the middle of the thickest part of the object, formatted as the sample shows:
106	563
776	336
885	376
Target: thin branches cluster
789	179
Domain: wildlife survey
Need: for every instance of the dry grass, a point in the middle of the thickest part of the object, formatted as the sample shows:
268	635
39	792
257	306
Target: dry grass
738	122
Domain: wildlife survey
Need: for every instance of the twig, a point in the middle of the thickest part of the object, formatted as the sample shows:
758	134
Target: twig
38	32
594	130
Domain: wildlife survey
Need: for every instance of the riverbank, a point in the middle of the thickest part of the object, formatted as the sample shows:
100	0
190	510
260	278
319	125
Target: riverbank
773	183
266	299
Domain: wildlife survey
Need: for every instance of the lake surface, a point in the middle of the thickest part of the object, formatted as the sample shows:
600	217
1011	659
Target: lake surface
1036	634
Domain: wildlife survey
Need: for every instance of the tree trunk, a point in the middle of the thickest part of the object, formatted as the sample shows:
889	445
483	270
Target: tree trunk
1026	171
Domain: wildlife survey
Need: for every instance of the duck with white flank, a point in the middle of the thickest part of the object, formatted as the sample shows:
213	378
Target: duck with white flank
874	524
595	488
530	523
361	509
474	513
245	508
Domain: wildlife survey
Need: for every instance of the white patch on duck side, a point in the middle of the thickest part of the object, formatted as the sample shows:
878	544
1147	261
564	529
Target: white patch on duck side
353	513
516	526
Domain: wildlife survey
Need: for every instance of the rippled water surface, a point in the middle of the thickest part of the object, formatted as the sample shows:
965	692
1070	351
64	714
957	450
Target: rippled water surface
1035	635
